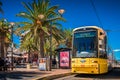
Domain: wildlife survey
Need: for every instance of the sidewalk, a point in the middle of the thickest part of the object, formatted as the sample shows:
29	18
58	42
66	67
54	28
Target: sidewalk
35	74
40	75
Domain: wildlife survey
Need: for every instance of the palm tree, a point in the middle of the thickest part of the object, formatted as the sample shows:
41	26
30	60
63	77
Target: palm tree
40	18
68	37
28	45
4	37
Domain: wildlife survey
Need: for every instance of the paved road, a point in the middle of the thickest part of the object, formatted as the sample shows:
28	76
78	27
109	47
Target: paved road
112	75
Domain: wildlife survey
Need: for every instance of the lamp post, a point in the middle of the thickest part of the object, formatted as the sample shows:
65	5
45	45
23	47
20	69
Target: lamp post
61	11
11	26
113	56
50	47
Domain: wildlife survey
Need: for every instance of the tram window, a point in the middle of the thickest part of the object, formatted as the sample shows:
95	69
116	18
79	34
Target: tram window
102	50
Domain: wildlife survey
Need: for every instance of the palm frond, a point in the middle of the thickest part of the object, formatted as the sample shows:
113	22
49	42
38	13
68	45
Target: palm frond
27	8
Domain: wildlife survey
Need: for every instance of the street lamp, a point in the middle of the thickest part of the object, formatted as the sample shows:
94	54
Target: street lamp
11	27
61	11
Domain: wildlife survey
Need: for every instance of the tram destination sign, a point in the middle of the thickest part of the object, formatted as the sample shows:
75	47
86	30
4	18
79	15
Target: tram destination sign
85	34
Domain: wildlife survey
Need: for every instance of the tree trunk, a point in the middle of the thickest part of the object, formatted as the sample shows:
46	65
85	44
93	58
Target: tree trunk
5	50
41	44
29	54
2	45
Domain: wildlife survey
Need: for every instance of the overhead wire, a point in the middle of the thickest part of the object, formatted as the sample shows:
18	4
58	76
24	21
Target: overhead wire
94	8
101	25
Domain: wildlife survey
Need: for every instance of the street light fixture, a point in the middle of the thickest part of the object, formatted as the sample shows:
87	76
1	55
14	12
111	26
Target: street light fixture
11	27
61	11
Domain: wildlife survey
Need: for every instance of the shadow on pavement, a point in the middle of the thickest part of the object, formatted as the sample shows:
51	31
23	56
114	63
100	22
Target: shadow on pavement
114	74
19	75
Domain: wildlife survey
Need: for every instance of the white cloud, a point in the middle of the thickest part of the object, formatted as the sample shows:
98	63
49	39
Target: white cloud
116	50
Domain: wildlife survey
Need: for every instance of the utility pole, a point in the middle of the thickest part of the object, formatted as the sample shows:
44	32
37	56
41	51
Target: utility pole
11	26
61	11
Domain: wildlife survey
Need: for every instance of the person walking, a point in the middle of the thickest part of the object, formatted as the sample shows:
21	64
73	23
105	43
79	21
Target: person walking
1	64
54	63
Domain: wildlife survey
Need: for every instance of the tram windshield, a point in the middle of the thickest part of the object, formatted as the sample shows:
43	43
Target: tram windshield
84	44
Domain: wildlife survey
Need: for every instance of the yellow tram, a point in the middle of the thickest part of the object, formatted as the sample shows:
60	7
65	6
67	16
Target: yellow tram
89	54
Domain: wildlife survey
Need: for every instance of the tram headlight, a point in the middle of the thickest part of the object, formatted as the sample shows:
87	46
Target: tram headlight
73	61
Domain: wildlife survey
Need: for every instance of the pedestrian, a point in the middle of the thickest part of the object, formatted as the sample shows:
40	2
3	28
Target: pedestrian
54	62
1	64
6	63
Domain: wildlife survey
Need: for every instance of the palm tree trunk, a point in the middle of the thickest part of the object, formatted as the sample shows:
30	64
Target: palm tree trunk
28	54
2	46
5	50
41	44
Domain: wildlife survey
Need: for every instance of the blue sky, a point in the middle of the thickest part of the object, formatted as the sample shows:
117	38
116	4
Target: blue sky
78	13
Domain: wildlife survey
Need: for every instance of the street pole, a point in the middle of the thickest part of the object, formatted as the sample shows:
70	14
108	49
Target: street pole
12	48
61	11
113	59
50	47
12	24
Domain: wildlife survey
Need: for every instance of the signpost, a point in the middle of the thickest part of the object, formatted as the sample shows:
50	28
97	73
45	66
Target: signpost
42	64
